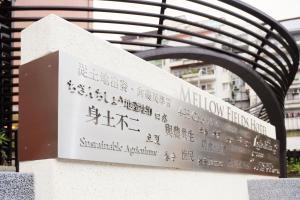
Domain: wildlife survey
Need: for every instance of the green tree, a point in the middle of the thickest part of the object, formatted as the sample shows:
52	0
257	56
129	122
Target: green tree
3	146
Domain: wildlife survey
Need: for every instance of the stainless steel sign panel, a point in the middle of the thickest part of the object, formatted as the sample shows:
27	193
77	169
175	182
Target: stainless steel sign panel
106	117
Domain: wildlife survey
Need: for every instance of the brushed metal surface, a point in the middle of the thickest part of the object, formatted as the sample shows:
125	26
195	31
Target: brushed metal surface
105	117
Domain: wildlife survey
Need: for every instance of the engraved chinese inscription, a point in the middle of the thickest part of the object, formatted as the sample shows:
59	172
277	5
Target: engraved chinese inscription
106	117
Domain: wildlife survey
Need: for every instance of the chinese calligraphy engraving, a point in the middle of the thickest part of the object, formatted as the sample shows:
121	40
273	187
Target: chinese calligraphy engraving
119	120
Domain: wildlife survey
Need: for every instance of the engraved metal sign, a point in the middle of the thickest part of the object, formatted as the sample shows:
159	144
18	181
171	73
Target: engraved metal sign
106	117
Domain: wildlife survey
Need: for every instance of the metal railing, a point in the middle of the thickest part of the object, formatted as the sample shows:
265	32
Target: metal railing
6	90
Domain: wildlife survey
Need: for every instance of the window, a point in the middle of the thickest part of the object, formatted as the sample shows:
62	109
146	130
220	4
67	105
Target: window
206	86
208	70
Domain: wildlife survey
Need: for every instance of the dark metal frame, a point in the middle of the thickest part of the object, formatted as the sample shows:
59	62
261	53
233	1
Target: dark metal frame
269	68
6	86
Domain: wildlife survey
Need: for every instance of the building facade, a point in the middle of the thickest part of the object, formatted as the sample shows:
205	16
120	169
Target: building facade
292	100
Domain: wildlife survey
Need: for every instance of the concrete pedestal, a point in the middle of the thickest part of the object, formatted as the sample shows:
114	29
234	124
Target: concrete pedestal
57	179
274	189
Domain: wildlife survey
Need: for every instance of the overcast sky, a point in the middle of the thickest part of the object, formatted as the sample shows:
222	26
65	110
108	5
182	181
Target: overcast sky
278	9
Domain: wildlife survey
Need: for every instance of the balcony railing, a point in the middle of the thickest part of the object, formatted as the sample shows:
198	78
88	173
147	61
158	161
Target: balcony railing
292	123
207	77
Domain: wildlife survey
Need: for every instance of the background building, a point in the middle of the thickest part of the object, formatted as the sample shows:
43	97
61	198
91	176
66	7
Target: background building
292	100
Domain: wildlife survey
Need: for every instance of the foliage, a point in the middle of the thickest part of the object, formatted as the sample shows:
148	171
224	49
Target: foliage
294	168
3	146
3	138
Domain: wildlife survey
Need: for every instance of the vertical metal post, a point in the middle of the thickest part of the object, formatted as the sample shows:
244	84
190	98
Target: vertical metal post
16	151
281	136
161	21
6	79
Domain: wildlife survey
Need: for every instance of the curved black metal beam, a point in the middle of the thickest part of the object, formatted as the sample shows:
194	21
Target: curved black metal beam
238	4
268	20
281	74
278	77
161	16
234	65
